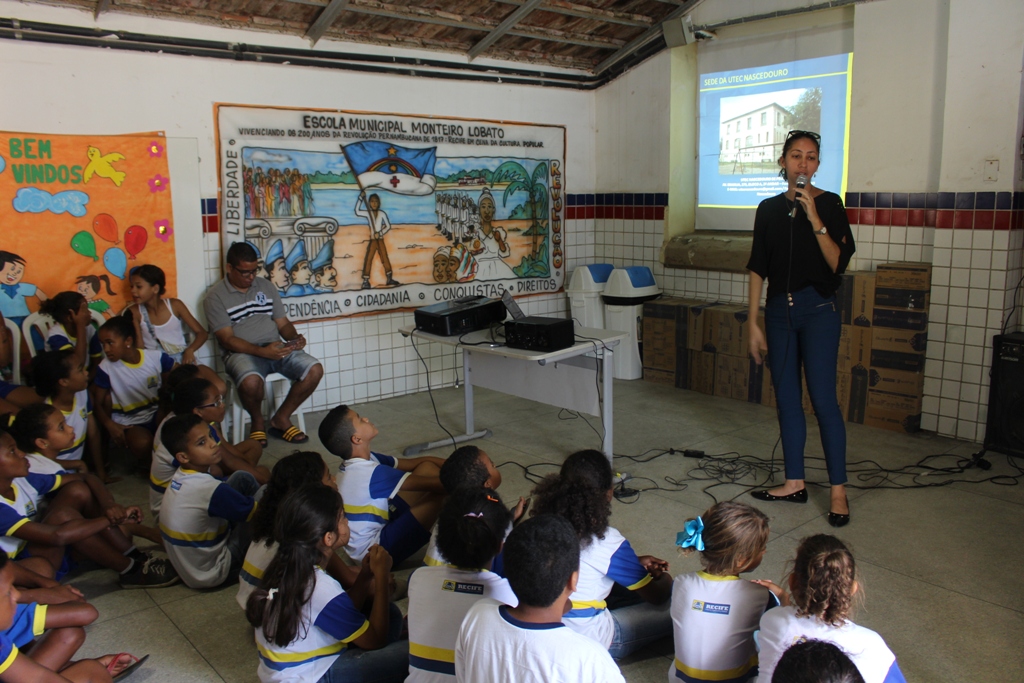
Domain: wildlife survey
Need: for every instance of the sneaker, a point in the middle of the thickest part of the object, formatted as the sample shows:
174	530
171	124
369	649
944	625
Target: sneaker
366	284
155	572
392	281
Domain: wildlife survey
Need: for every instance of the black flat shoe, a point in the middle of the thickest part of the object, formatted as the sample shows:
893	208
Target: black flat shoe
838	520
795	497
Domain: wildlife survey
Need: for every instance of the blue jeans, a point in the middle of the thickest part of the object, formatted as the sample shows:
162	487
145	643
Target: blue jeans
806	334
390	664
637	623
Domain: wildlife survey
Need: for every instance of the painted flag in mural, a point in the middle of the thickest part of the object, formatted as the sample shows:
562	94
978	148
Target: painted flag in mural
401	170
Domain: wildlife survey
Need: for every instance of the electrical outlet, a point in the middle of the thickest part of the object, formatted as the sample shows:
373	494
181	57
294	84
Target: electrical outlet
991	170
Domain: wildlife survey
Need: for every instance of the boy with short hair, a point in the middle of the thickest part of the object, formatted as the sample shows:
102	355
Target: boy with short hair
388	501
529	643
204	520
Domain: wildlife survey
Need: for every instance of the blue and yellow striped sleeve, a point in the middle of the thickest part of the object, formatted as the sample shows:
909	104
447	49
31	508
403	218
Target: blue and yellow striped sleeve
625	569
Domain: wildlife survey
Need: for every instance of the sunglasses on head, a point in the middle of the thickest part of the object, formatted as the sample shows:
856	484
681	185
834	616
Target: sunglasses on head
802	134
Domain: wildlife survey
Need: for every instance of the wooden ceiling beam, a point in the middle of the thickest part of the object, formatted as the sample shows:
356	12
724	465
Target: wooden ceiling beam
584	12
325	19
428	16
504	27
647	36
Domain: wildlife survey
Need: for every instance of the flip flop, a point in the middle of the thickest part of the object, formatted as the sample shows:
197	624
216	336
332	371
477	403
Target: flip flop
292	435
259	436
130	669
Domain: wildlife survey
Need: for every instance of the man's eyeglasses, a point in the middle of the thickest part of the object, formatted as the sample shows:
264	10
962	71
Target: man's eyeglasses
803	134
216	404
246	273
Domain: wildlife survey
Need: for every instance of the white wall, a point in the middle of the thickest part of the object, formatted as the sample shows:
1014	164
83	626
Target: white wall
899	84
60	89
632	127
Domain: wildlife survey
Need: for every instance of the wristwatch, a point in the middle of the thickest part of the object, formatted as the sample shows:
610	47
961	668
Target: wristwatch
823	231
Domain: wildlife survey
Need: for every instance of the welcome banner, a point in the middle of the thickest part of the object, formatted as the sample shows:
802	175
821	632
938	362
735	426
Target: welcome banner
356	212
78	212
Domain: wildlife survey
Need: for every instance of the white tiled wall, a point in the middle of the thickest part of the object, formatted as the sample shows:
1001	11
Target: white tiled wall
973	279
366	358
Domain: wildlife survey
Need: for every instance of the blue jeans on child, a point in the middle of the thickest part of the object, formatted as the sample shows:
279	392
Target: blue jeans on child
241	533
390	664
637	623
806	334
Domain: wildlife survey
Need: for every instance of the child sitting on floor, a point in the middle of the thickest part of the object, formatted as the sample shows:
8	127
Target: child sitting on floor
306	624
64	381
469	466
388	500
290	472
582	493
82	515
528	643
823	584
471	530
74	328
203	520
731	539
42	433
48	661
127	388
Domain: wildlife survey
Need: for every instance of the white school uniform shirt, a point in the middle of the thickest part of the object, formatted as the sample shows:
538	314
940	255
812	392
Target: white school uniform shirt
257	559
493	646
329	623
365	487
78	419
23	508
40	464
725	611
603	563
57	338
782	628
134	387
439	598
195	520
161	469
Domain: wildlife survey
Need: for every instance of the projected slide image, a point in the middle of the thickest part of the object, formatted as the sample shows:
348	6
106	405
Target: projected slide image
753	128
745	116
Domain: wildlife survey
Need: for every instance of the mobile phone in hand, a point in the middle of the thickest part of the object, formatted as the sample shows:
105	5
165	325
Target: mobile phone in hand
292	344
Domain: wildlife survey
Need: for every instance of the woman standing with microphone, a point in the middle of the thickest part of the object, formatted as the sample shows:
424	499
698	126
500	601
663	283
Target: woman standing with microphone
802	244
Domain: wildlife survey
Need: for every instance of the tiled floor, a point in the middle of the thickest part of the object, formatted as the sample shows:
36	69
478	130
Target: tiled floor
941	566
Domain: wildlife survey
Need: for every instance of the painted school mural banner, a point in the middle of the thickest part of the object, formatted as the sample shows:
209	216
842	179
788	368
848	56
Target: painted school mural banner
356	212
77	213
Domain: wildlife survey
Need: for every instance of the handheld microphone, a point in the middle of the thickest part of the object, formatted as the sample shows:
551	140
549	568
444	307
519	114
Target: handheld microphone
801	183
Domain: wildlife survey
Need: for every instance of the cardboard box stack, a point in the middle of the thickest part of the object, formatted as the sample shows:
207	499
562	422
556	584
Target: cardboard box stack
899	337
702	346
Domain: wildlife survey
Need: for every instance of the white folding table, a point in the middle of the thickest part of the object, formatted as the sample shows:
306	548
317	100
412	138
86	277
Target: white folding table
565	379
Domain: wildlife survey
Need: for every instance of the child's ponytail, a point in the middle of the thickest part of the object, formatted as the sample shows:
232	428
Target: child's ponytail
471	527
62	306
823	581
305	516
579	493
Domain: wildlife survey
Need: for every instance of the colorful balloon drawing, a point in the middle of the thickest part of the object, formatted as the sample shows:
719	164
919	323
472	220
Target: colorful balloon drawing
105	226
135	239
115	261
84	244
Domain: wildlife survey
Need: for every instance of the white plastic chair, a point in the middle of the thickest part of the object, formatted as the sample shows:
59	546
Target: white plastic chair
42	323
16	353
97	318
272	399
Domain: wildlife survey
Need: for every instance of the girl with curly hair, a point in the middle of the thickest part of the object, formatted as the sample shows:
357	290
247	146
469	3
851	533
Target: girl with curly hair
637	612
823	583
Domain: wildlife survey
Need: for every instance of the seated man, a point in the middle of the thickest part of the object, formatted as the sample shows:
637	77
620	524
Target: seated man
247	317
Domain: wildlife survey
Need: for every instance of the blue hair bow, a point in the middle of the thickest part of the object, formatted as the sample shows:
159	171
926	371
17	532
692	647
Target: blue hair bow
692	537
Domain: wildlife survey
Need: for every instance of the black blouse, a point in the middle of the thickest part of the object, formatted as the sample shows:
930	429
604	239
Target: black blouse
770	255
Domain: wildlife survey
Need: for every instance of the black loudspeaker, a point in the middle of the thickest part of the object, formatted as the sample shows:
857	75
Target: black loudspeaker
1005	429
